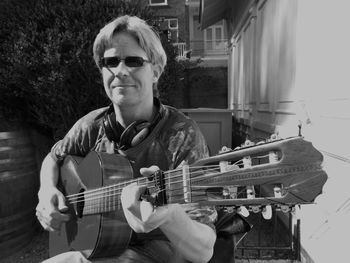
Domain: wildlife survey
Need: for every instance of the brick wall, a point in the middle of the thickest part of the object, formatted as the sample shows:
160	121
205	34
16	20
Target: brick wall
175	9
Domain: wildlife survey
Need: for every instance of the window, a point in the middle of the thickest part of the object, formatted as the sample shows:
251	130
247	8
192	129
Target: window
158	2
173	28
214	37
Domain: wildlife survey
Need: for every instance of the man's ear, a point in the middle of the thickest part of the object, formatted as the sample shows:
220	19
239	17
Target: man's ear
156	73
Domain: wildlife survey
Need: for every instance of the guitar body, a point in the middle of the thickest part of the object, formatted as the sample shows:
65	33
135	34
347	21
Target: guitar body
92	233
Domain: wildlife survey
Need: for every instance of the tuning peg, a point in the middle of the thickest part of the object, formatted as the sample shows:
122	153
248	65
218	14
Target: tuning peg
296	211
267	212
225	193
293	209
250	192
230	209
273	157
223	166
285	208
229	192
275	137
247	161
277	191
242	210
225	149
248	143
256	209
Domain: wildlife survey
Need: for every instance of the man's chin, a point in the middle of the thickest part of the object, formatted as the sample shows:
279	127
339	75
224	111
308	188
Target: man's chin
122	100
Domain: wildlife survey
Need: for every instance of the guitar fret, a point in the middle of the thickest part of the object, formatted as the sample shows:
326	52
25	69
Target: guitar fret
186	183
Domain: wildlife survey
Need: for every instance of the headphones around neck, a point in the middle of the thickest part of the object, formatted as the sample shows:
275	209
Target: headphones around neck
132	135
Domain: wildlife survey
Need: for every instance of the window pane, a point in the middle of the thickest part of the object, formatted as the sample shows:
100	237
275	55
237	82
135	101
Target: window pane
209	34
157	2
173	23
218	35
209	38
173	35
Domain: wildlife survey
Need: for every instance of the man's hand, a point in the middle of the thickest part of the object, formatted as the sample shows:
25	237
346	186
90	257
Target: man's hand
193	240
140	214
50	209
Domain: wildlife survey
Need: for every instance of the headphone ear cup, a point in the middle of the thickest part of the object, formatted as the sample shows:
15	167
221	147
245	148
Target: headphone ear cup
111	127
134	134
139	137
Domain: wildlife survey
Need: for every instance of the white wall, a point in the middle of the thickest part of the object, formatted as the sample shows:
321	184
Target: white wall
290	65
323	91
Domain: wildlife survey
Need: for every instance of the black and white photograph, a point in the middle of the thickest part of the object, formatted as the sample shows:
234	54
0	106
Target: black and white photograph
174	131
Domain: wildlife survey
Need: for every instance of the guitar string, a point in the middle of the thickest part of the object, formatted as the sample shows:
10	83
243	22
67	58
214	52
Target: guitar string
88	197
173	195
143	178
181	188
113	204
172	191
171	182
146	178
174	198
100	191
136	180
118	193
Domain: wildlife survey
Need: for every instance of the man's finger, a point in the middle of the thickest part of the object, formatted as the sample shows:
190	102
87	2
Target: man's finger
61	204
146	210
147	171
43	222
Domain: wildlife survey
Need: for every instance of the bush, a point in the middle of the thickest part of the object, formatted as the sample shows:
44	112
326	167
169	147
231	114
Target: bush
48	78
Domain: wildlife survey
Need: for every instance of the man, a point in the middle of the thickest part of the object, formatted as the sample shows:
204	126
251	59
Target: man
136	125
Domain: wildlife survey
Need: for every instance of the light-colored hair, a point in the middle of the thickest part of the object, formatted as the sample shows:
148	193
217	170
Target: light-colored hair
145	35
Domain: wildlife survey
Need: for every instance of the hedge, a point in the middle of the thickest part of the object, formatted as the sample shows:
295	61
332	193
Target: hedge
48	78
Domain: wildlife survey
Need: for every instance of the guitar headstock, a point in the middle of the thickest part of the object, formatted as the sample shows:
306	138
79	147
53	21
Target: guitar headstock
279	172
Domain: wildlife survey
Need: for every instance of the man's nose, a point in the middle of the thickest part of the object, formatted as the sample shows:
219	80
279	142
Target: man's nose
121	71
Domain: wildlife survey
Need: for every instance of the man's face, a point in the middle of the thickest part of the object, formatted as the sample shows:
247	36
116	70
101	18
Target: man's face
124	85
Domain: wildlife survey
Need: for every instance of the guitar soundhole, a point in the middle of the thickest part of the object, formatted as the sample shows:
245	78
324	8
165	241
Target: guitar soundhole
80	204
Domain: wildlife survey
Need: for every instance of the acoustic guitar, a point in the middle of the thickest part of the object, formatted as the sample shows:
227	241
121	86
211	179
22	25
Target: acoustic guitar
280	173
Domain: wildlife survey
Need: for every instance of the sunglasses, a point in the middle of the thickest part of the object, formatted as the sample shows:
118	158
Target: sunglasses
132	62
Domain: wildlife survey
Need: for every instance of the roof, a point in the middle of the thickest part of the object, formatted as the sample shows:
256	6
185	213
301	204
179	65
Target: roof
212	11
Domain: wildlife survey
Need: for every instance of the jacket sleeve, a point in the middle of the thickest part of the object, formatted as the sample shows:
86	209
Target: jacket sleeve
80	139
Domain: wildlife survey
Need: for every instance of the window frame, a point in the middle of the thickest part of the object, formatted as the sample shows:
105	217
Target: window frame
213	28
168	21
165	2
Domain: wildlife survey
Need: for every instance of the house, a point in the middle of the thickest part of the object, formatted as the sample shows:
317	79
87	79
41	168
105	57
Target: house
288	69
209	44
205	85
180	19
172	20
